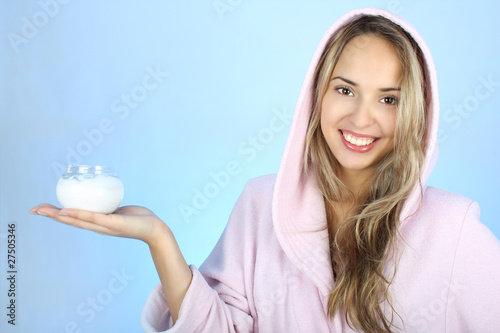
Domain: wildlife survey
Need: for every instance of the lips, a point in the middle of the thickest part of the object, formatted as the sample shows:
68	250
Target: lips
357	143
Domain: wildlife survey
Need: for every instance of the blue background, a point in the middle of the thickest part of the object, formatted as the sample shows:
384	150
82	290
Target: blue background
228	75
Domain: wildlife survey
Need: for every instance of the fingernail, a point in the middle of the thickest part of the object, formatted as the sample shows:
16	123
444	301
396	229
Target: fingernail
62	213
33	212
42	213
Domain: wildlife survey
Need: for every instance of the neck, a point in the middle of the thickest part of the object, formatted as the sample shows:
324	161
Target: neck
356	181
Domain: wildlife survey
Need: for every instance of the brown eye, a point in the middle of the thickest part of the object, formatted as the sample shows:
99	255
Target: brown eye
389	100
344	91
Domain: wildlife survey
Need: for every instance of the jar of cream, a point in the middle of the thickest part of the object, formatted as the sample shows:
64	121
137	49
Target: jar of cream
94	188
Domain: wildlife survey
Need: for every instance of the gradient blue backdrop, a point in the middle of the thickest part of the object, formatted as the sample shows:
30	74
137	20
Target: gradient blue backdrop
220	78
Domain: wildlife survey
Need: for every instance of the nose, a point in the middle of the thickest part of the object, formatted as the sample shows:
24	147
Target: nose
362	115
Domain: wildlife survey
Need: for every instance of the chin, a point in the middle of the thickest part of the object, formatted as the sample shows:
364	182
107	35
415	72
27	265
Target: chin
357	167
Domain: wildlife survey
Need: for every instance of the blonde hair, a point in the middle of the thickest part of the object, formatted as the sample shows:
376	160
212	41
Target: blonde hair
364	241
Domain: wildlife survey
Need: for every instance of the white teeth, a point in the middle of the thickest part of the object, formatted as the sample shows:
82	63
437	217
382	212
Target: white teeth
358	141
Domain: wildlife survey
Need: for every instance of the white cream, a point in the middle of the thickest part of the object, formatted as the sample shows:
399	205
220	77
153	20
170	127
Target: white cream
96	193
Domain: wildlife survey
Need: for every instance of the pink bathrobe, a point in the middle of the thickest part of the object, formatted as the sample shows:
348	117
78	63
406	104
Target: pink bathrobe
270	271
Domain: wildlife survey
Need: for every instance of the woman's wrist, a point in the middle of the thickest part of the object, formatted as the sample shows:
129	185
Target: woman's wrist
173	271
160	234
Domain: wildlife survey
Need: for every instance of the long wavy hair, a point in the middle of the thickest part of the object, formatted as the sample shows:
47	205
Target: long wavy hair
364	241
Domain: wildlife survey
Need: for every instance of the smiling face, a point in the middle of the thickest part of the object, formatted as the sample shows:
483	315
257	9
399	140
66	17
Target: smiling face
358	110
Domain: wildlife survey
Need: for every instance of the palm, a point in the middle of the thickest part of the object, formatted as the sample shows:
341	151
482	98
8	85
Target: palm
133	211
128	221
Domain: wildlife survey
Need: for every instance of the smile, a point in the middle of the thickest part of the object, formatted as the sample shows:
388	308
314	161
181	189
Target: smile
359	144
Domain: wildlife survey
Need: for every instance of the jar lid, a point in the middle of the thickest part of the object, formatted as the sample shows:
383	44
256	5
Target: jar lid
90	169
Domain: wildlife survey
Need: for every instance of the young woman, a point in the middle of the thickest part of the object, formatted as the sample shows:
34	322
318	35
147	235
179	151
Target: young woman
346	237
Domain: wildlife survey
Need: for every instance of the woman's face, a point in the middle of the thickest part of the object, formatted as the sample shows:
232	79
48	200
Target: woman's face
358	111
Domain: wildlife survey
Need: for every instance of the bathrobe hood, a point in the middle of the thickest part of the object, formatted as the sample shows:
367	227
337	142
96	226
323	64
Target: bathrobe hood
298	205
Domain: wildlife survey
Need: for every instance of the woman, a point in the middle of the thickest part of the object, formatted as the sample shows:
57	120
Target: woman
346	237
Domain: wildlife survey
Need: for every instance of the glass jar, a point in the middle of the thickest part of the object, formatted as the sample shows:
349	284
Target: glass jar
94	188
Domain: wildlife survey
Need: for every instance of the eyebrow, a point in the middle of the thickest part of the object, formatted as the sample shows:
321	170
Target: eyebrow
355	84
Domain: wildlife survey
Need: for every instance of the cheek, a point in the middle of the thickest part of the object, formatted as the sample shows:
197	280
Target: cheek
389	128
328	122
332	111
389	124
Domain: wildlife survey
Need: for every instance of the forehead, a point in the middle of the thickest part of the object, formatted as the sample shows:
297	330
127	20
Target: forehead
369	59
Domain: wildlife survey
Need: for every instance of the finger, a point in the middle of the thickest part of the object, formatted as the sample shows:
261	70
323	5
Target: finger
63	216
107	221
47	205
36	209
83	215
82	224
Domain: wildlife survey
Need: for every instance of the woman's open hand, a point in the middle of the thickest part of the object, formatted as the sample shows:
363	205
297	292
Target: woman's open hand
127	221
139	223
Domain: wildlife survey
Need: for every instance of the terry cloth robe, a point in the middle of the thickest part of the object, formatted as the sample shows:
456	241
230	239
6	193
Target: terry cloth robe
270	271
